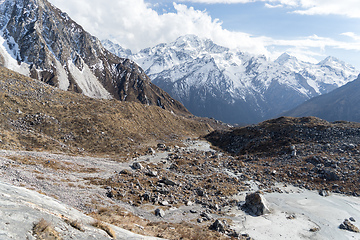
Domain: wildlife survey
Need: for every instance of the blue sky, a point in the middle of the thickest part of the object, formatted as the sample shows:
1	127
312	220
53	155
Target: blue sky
307	29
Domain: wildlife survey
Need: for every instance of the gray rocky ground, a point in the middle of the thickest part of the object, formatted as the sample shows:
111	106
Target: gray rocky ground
84	183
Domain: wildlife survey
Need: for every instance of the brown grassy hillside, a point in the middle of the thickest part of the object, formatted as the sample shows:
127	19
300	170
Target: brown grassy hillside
36	116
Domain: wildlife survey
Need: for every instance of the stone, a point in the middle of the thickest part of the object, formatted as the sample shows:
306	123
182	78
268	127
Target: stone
206	216
255	204
137	166
146	197
217	226
151	173
324	193
159	213
151	151
167	182
347	225
161	146
200	192
189	203
352	219
164	203
331	175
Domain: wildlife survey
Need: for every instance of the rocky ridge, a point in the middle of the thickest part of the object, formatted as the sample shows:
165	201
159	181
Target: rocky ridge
39	40
307	152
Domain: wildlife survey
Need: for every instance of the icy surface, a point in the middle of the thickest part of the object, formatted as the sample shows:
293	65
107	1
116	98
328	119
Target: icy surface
296	211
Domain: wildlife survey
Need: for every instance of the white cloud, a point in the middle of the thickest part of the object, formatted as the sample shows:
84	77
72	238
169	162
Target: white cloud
273	6
352	35
349	8
133	24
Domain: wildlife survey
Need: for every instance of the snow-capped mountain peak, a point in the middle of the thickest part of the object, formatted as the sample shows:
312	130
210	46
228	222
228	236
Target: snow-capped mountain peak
234	86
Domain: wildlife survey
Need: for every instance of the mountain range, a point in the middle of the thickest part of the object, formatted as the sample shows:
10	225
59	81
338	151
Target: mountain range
340	104
231	85
39	40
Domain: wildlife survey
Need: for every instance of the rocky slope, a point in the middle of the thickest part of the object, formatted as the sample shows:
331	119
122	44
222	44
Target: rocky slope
40	41
35	115
340	104
308	152
232	86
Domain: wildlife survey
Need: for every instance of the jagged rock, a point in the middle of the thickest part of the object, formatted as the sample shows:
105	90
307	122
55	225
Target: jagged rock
218	226
137	166
125	172
347	225
324	193
151	151
161	146
255	204
167	182
206	216
146	196
152	173
159	212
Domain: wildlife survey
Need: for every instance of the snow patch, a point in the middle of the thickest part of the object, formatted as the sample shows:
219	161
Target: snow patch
62	76
88	82
8	58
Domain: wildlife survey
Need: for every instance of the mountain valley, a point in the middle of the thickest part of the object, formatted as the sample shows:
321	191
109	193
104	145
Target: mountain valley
91	148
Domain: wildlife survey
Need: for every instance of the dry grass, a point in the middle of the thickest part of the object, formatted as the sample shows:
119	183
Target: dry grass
103	226
174	231
36	116
43	230
75	224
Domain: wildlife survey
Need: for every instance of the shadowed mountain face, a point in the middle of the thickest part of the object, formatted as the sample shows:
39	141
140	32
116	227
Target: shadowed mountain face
42	42
340	104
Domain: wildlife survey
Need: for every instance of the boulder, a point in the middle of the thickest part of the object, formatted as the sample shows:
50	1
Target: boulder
159	212
137	166
255	204
151	173
324	193
347	225
331	175
218	226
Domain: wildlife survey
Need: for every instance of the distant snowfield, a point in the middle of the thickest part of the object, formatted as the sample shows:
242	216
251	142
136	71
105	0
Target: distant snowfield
309	209
20	208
